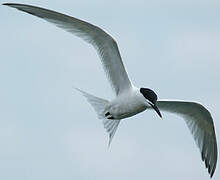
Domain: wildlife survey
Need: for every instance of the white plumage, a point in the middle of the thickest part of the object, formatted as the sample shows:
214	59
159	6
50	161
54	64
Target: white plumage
130	100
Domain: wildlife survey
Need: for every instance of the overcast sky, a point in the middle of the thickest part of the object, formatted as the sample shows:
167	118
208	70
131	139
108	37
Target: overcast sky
49	131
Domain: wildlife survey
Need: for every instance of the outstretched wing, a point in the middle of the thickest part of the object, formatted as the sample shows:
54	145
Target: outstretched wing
200	123
104	44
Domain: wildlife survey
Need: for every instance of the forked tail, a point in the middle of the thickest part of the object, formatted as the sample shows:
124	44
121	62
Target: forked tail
100	106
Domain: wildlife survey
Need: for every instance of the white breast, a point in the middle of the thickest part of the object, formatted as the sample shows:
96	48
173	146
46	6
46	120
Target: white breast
127	104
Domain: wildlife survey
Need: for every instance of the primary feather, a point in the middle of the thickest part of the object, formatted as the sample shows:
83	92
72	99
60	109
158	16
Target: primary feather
105	45
200	124
130	100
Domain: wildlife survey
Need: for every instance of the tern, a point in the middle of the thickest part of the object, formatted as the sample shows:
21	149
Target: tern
130	100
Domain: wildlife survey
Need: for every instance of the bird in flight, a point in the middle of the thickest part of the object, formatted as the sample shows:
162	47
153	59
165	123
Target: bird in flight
130	100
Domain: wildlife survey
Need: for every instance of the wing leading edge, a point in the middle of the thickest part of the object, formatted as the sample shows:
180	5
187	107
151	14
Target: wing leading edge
105	45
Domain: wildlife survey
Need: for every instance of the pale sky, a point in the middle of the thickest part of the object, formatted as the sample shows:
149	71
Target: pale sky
49	131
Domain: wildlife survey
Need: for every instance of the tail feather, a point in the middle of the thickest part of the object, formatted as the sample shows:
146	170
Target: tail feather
100	106
111	127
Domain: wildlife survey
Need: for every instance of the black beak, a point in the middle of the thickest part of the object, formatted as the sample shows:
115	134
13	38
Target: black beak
156	109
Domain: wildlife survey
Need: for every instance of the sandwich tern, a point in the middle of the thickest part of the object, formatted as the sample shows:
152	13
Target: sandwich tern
130	100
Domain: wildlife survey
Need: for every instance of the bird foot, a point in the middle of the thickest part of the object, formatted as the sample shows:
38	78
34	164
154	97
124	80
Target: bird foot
109	116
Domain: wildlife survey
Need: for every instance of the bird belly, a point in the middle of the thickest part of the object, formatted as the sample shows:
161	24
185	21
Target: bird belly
126	109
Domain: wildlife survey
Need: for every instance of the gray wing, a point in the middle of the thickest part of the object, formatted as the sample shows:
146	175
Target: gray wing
104	44
200	123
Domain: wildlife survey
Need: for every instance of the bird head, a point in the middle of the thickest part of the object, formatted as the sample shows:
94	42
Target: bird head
151	98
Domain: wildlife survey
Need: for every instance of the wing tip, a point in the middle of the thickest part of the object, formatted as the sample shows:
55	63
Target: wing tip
211	168
17	5
13	5
9	4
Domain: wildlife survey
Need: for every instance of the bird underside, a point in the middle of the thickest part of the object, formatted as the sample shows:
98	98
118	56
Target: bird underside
196	116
